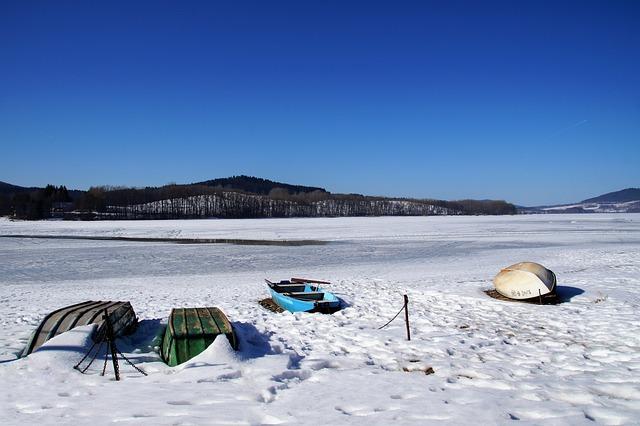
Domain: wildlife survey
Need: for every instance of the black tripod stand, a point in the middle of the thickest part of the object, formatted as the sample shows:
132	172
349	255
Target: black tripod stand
105	336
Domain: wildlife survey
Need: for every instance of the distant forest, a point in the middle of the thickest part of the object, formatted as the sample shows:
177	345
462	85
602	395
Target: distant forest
234	197
31	203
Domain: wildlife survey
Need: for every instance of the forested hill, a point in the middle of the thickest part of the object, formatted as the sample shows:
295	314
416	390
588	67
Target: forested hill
234	197
256	185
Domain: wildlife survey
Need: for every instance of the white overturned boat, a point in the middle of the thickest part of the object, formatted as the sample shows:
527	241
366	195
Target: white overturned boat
525	280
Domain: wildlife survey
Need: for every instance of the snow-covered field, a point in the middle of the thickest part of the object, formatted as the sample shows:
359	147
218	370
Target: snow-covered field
494	361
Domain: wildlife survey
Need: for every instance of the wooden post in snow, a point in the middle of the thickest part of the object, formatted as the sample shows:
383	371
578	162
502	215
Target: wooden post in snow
406	315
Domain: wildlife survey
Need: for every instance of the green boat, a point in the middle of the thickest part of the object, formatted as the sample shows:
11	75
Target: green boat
191	330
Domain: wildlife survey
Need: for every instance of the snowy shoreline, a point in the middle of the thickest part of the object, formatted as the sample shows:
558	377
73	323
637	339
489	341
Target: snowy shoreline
494	361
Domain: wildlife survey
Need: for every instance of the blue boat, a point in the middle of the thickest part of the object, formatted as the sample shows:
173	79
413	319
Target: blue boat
303	295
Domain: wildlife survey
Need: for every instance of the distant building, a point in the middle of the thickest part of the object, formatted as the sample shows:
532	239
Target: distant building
58	209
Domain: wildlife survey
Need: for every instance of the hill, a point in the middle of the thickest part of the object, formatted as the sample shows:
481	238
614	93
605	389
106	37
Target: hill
233	197
7	188
256	185
624	201
623	196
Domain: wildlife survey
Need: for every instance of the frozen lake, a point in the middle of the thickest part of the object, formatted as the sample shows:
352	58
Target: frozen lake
494	361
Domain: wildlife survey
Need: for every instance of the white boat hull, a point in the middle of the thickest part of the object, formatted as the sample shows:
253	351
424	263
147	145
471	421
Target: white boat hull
525	280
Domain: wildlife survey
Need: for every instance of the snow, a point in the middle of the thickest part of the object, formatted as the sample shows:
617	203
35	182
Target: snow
493	361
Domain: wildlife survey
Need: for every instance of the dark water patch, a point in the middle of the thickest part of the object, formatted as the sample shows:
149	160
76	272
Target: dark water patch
235	241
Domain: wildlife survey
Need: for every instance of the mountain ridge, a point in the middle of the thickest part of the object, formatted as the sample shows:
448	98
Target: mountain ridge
622	196
622	201
8	188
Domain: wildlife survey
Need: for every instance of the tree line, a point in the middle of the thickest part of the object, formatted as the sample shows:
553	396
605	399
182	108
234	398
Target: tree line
198	201
34	204
241	205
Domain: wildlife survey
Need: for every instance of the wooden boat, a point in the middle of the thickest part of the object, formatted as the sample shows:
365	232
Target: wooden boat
191	330
525	280
121	314
303	295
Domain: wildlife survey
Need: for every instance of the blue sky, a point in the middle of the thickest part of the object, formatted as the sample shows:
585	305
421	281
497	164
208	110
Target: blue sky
532	102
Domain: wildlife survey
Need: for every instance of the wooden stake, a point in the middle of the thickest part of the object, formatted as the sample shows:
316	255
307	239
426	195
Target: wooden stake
406	316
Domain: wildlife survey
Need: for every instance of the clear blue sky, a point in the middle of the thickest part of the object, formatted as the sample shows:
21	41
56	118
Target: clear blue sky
533	102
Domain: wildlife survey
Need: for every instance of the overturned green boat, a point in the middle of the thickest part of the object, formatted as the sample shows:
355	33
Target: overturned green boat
191	330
